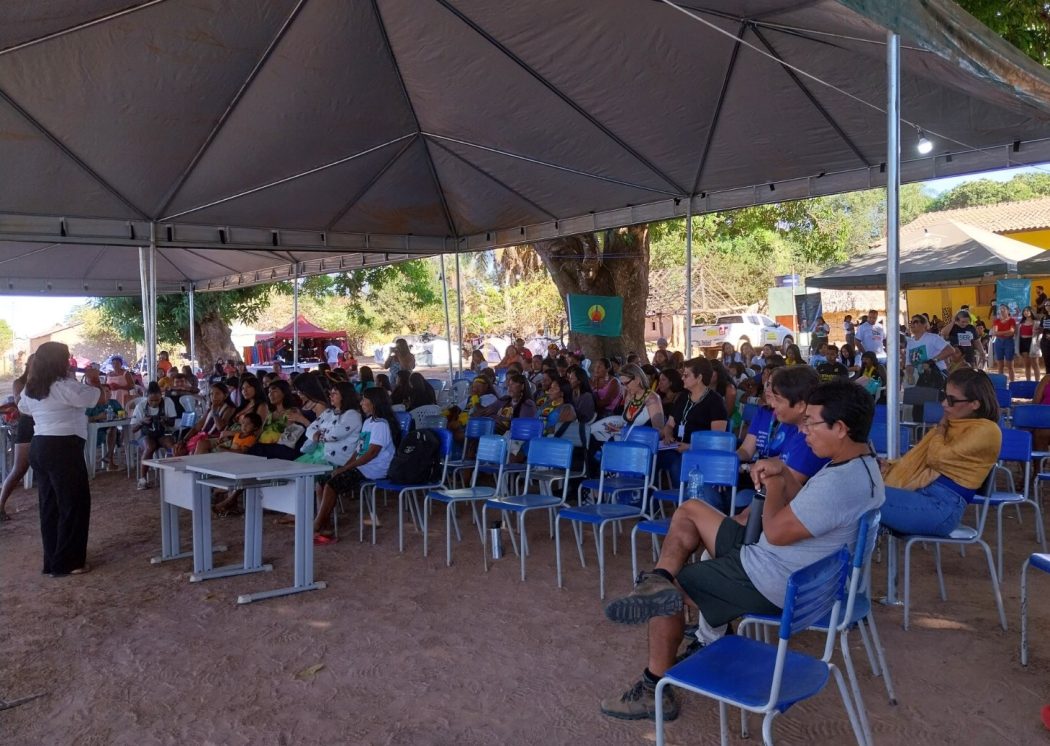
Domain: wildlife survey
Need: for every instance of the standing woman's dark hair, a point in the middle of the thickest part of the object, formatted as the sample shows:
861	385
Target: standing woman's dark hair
50	364
977	386
19	383
421	392
382	410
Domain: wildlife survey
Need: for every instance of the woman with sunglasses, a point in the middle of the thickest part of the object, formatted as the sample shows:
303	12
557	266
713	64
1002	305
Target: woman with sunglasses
927	489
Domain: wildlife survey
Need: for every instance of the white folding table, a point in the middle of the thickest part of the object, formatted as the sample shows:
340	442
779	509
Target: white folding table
274	484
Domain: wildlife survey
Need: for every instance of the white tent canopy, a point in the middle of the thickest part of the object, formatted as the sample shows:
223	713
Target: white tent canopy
266	137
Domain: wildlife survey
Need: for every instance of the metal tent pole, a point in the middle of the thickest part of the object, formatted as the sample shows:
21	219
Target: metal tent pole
459	314
295	319
152	352
193	332
893	337
144	296
689	279
893	344
448	321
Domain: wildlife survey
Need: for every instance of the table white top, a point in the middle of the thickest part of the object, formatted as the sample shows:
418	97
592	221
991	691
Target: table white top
238	466
109	423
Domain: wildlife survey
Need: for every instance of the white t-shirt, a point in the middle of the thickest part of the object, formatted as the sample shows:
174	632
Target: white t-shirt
376	432
332	353
872	336
926	347
829	505
61	412
144	409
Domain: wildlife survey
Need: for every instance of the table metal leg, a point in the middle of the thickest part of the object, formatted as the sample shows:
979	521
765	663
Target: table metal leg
252	536
304	547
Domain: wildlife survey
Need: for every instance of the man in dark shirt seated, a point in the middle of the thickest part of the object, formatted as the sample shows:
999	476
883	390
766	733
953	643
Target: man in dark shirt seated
833	369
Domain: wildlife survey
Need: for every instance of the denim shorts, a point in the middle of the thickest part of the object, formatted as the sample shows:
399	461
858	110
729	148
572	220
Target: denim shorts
934	510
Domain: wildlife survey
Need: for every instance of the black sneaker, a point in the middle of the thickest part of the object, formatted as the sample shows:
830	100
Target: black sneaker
653	595
639	703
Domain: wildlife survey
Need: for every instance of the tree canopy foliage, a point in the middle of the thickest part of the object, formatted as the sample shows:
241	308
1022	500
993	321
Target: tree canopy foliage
1023	23
989	192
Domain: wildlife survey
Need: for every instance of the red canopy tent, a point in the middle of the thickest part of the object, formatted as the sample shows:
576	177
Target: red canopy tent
267	343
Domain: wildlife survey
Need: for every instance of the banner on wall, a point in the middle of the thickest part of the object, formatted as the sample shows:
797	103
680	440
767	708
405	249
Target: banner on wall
1016	294
600	315
808	309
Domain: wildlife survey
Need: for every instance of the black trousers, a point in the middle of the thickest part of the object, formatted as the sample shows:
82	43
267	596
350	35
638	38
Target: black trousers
65	500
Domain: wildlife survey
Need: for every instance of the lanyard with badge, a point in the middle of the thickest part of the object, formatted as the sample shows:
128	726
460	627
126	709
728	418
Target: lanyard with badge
689	404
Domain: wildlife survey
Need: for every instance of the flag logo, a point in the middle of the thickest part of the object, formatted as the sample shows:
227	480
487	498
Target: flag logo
596	313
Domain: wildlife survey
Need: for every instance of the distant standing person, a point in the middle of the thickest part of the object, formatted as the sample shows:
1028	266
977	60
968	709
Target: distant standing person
964	335
331	353
870	335
57	403
1004	328
23	437
849	330
400	359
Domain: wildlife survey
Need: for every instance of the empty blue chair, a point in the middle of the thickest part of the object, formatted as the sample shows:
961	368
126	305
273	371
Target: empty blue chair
719	469
856	614
881	413
1005	400
999	380
709	440
878	436
613	485
492	449
766	679
1016	447
619	461
438	384
406	491
544	453
1039	562
932	414
747	415
1023	389
475	428
523	429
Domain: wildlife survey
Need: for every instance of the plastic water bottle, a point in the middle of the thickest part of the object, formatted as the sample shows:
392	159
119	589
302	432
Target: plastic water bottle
696	483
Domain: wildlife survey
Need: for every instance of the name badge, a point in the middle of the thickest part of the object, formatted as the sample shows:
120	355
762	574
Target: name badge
681	431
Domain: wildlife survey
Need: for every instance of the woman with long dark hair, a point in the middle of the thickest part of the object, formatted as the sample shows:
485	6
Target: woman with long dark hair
23	437
57	403
421	393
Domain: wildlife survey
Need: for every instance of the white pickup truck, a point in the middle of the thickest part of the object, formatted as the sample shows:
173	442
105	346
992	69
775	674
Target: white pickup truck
751	327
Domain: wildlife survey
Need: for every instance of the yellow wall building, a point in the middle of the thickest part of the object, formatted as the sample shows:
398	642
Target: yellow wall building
1028	222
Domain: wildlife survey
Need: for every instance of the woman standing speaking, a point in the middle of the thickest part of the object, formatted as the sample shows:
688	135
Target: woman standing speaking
56	402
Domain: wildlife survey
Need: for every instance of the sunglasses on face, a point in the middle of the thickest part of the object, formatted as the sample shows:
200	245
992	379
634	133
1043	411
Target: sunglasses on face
951	401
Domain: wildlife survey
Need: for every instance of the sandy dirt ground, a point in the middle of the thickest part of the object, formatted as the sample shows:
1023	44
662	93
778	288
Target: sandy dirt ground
400	649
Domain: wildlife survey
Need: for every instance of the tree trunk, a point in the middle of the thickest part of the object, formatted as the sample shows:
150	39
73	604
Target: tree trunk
580	265
213	341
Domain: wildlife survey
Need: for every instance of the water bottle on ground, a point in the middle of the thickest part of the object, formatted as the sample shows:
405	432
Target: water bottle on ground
695	487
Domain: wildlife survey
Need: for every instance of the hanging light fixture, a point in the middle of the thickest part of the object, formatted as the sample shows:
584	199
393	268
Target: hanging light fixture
924	146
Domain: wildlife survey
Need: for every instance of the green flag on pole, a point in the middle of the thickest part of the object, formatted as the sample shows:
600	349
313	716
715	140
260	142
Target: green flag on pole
600	315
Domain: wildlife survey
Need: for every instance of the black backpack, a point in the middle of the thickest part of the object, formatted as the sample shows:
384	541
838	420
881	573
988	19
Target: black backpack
417	459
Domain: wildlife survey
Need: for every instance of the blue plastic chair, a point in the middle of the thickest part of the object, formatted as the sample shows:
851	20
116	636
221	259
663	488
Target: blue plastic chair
544	453
1033	417
492	449
1039	562
932	414
472	432
878	437
960	536
405	491
882	413
708	440
1023	389
620	461
857	613
1005	400
999	380
523	429
718	467
747	415
1016	447
613	486
766	679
